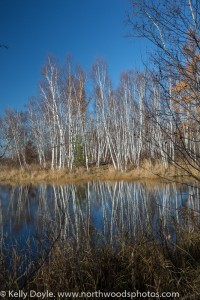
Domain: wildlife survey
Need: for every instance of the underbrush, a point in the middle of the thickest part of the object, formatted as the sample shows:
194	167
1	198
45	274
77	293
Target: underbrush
36	174
141	264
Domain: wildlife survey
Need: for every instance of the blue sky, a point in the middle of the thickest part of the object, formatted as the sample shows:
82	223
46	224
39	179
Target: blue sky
83	28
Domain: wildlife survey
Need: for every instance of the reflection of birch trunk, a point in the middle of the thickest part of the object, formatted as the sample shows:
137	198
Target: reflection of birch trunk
116	211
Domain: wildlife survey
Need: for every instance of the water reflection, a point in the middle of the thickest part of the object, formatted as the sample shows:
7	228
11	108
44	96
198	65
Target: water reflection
98	209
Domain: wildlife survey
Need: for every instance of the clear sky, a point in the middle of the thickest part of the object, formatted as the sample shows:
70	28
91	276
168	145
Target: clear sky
32	29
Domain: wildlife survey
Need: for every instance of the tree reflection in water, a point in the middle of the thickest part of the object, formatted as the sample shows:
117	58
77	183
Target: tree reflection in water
101	209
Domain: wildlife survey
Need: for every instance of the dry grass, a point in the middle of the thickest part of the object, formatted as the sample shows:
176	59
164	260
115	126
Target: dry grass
145	264
35	174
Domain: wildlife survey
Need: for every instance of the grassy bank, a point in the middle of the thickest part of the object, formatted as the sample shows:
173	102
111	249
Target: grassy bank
144	264
35	174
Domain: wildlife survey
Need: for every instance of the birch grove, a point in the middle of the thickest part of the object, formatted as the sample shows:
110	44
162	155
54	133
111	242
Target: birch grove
81	121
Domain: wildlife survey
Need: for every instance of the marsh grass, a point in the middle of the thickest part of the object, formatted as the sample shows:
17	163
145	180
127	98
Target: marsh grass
35	174
143	263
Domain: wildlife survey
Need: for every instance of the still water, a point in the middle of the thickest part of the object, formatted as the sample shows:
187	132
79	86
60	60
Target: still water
103	210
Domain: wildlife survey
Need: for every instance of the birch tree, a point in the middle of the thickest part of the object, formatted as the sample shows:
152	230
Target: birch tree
173	29
15	131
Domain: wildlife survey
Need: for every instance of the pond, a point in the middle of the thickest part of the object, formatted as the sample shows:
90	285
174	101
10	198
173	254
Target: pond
96	214
104	209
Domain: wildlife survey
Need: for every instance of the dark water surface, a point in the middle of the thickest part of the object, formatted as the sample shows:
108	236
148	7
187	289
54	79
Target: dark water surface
104	209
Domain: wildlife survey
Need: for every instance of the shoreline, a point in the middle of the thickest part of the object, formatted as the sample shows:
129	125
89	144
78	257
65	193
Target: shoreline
35	175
